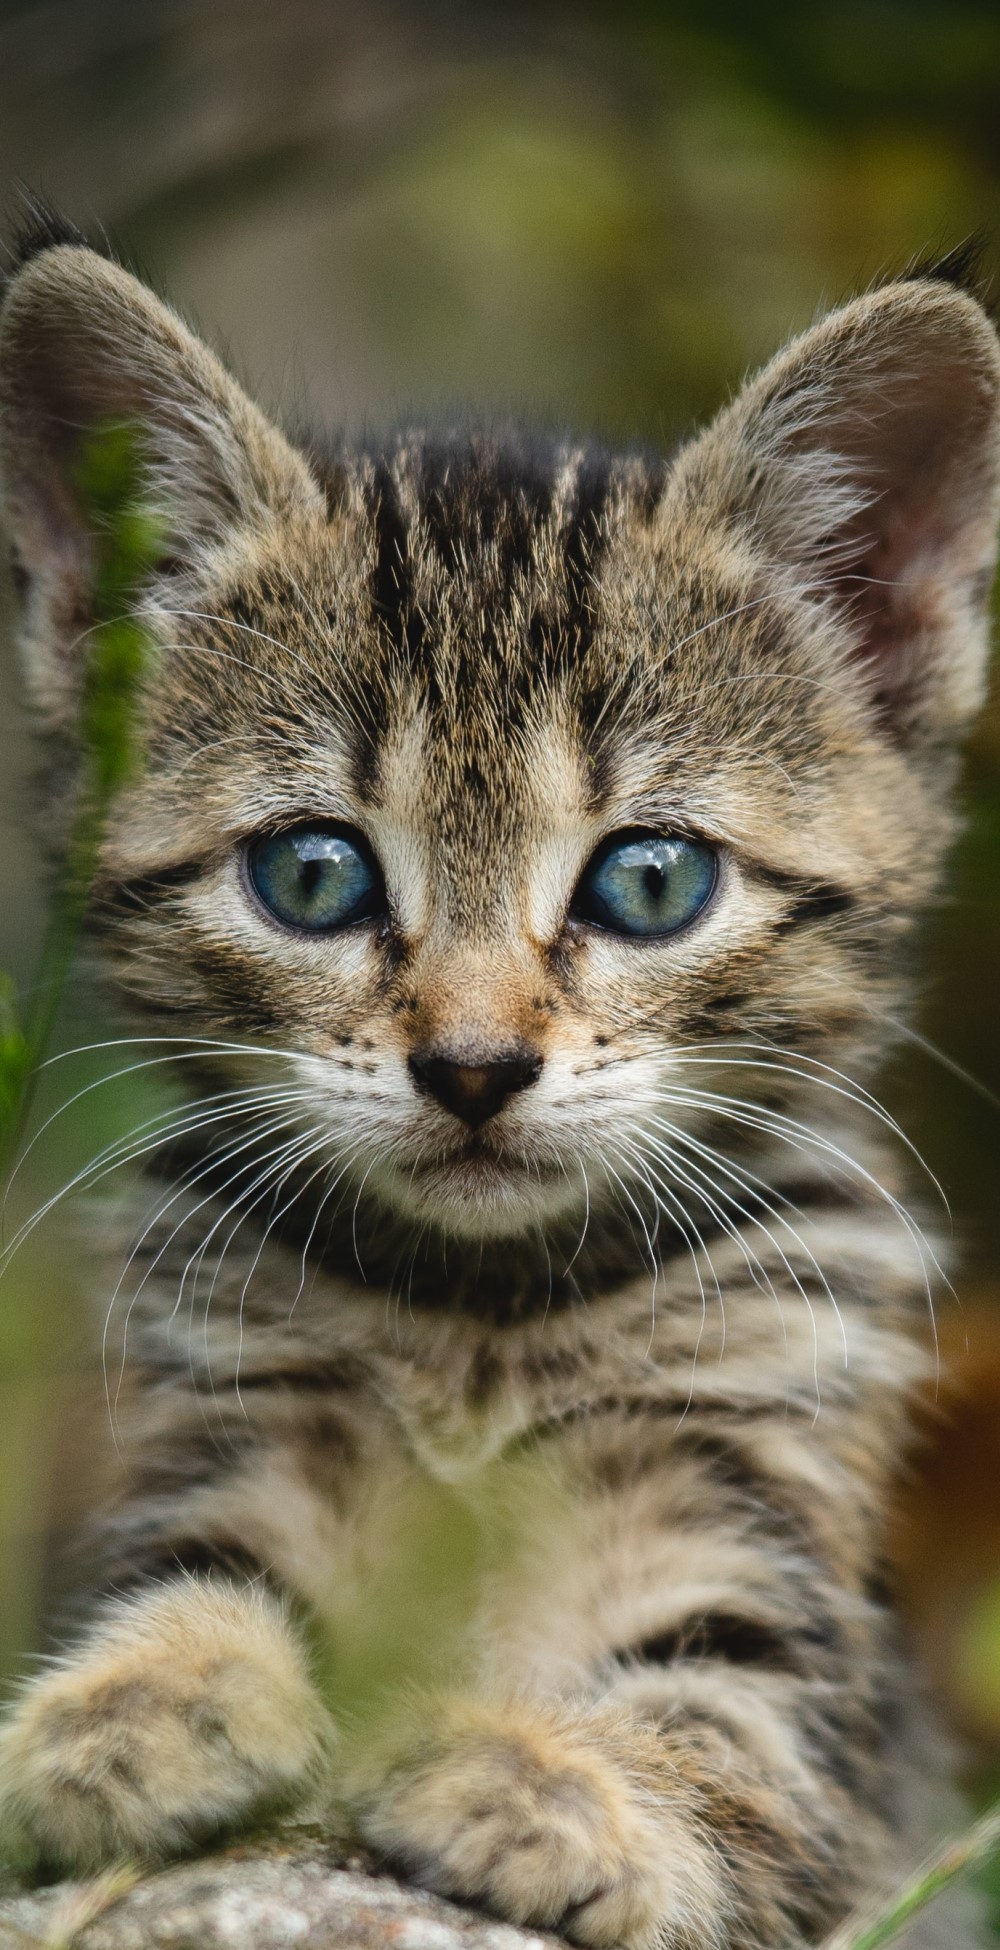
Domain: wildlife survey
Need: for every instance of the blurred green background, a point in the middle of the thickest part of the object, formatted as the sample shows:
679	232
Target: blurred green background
596	216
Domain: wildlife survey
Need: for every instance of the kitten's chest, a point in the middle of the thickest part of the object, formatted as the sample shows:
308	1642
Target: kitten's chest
450	1394
455	1395
461	1395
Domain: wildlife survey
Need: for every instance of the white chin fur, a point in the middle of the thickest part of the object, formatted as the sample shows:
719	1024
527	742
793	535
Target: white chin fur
480	1202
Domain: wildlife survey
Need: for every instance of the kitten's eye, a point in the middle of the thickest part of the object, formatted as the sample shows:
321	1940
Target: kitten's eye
315	877
645	884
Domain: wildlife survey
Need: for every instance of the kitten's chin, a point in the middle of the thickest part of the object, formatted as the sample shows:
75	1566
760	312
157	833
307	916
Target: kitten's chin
481	1196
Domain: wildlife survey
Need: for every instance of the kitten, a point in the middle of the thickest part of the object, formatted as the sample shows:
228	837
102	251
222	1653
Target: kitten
524	860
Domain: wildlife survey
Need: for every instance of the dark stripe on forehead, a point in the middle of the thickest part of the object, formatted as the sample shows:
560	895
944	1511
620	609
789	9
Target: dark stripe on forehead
479	496
391	580
488	554
582	546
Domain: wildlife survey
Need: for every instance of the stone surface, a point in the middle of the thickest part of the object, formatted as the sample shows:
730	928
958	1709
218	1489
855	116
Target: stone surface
299	1893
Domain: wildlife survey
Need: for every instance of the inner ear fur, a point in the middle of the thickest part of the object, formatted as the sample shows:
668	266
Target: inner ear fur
83	345
864	463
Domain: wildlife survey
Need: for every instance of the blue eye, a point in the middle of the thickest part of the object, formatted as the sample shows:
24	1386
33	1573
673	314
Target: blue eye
315	878
646	884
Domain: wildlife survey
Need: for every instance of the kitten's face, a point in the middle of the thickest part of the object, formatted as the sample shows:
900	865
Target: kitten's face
508	801
407	836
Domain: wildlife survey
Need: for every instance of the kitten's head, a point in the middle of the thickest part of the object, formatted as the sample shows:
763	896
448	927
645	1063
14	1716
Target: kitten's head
517	793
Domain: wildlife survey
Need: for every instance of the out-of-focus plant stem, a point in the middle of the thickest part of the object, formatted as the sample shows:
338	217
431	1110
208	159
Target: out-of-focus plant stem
127	542
970	1851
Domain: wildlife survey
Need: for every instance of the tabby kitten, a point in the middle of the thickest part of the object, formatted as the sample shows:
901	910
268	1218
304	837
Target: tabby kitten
523	860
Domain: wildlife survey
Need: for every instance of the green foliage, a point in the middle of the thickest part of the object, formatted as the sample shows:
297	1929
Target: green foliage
974	1849
108	481
405	1621
15	1060
405	1618
127	542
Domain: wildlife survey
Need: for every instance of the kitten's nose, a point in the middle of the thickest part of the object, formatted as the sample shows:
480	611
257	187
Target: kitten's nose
475	1087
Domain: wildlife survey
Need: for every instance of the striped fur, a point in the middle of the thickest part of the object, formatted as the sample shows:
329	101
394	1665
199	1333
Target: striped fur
669	1299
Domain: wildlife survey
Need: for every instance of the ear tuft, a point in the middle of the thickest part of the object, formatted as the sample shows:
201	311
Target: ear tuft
962	267
41	228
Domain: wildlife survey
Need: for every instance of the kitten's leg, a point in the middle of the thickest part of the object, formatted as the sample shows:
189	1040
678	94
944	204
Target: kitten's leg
188	1710
721	1780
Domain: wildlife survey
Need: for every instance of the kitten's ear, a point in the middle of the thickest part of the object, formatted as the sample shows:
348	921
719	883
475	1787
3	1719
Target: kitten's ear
865	462
84	345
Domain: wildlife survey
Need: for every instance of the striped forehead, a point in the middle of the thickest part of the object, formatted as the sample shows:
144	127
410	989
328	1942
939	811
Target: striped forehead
484	604
474	619
484	558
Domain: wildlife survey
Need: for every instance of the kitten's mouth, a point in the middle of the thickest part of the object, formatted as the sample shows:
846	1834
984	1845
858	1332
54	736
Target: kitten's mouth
480	1159
482	1181
478	1184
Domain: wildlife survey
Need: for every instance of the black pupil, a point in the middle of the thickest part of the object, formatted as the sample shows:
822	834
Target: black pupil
655	881
311	874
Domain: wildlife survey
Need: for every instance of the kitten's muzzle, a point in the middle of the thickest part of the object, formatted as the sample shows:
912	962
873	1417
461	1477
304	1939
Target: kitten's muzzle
475	1087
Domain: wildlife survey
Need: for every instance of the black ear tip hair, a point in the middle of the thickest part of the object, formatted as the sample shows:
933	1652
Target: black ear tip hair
38	227
962	267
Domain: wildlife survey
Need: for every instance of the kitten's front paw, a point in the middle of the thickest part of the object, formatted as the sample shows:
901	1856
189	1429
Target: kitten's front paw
188	1713
547	1821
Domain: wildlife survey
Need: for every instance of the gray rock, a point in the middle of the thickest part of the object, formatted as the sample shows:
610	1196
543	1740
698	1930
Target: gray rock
298	1893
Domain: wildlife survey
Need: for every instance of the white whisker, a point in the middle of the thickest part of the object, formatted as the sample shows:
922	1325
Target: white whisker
802	1138
683	1221
213	1161
697	1185
757	1189
122	1152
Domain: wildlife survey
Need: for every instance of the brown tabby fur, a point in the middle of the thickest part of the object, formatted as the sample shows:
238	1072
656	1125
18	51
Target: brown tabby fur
681	1716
